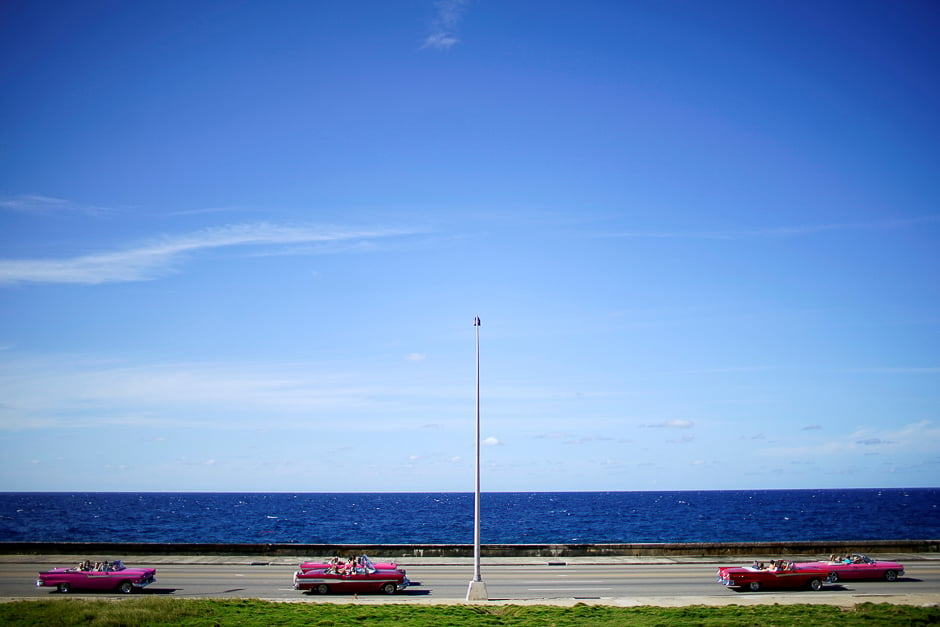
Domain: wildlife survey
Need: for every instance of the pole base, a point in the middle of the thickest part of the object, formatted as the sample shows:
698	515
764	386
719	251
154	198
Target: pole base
477	591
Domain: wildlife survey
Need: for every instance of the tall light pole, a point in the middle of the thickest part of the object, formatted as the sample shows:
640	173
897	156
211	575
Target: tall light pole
477	589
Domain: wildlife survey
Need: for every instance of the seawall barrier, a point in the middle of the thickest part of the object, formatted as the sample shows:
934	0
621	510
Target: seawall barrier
691	549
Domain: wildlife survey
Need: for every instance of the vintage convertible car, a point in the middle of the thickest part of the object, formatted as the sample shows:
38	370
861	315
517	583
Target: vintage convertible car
98	576
779	574
858	566
359	575
304	566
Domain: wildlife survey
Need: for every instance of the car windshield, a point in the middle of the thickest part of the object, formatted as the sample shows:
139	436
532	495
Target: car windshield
367	564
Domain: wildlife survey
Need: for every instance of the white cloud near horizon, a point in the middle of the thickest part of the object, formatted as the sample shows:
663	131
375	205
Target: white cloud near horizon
61	391
913	438
444	27
158	257
671	424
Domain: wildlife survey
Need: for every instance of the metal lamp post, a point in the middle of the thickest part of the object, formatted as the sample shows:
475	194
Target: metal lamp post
477	589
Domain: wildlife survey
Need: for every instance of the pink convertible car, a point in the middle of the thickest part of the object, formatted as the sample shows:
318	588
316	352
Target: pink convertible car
338	562
858	566
355	575
98	576
776	574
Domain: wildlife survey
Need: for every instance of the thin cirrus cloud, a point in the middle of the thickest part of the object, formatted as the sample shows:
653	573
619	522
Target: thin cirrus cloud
671	424
156	258
444	27
909	439
42	204
82	392
781	231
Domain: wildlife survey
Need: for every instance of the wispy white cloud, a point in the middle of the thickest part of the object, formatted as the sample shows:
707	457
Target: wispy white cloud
447	19
64	392
872	442
910	439
671	424
42	204
927	370
156	258
571	439
554	436
779	231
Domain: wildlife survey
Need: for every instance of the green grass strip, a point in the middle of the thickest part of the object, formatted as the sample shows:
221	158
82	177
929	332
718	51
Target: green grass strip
156	612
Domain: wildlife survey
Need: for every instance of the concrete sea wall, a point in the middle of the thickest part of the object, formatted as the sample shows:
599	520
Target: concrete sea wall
486	550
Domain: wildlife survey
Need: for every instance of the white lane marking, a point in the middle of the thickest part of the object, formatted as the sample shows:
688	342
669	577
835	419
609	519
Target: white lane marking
567	589
548	583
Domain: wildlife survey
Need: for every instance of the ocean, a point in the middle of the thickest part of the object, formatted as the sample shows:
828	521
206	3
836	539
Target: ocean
447	518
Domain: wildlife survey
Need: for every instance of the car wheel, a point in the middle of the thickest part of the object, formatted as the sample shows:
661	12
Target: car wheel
754	586
322	589
815	584
891	575
125	587
389	588
833	577
64	587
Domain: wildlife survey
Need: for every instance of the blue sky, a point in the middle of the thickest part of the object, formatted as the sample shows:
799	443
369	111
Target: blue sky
242	245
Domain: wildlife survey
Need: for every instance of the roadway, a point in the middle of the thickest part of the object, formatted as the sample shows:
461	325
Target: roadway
627	583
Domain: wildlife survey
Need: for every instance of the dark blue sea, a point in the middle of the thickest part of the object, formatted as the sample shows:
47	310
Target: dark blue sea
447	518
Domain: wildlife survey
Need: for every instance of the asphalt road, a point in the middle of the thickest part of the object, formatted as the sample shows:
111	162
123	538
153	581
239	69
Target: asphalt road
667	584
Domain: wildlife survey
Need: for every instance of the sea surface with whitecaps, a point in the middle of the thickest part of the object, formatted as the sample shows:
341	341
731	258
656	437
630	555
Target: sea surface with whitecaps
447	518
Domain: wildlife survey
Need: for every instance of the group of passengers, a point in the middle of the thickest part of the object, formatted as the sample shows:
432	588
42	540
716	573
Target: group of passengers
788	565
775	565
101	567
350	566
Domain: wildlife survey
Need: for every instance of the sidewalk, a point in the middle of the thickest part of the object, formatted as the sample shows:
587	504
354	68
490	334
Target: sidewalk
287	560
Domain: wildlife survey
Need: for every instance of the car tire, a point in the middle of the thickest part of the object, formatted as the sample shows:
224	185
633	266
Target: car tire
322	589
389	588
64	588
125	587
754	586
833	577
815	584
891	575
